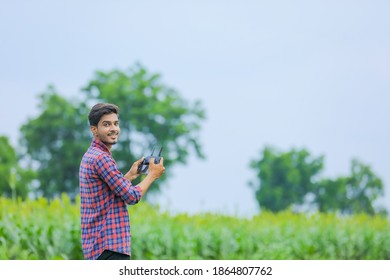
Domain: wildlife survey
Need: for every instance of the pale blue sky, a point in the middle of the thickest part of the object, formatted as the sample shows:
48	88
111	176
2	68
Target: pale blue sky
304	74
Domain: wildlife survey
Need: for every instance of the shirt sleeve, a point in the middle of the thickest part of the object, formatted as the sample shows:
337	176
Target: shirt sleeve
116	181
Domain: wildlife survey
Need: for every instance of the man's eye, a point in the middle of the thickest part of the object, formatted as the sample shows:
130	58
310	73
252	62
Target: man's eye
106	124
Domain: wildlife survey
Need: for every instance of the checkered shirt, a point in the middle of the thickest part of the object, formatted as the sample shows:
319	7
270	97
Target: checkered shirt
104	194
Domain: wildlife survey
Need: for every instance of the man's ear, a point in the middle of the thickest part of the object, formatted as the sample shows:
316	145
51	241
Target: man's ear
93	129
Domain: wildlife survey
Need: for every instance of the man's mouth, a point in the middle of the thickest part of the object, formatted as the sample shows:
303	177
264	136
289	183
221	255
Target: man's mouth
113	134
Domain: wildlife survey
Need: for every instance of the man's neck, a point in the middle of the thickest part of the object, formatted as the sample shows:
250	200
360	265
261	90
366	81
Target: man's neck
109	146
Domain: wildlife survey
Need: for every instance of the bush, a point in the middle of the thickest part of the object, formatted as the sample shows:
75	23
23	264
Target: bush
38	229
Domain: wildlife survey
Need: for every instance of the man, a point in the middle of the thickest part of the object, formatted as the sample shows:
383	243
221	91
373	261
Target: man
105	192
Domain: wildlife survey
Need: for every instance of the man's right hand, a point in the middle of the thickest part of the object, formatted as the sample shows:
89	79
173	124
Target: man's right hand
156	170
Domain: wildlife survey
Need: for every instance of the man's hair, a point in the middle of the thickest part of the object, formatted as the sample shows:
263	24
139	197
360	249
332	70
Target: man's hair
99	110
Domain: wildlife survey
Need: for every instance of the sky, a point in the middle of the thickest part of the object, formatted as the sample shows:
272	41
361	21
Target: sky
290	74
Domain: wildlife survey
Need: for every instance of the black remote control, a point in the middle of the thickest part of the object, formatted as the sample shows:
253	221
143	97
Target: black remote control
143	167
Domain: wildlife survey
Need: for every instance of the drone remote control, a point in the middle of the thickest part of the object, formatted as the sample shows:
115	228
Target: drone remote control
143	167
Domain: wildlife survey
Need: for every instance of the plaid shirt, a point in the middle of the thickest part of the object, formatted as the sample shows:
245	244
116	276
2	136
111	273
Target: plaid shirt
104	195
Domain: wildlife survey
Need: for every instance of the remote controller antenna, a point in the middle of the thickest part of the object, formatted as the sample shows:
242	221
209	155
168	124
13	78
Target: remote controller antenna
144	165
152	151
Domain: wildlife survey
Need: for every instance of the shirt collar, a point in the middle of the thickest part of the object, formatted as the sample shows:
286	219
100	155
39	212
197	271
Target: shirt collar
100	145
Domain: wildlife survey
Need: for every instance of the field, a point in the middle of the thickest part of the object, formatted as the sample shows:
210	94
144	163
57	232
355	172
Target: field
37	229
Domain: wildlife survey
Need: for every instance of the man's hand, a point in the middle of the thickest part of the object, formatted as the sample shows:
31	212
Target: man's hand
156	170
133	174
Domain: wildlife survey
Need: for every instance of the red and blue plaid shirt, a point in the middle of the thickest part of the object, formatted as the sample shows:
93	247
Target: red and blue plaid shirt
104	195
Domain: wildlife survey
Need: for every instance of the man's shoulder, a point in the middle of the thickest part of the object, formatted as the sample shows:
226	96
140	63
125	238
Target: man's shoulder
93	154
96	154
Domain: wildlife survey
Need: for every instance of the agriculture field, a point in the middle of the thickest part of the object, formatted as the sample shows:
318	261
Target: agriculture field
37	229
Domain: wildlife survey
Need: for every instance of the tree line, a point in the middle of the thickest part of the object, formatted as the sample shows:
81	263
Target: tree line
46	161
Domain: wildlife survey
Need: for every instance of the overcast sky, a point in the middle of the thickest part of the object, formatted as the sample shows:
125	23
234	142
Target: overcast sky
303	74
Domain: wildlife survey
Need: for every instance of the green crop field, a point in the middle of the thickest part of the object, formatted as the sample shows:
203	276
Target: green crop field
37	229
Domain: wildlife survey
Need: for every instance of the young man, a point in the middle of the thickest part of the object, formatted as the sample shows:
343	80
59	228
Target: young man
105	192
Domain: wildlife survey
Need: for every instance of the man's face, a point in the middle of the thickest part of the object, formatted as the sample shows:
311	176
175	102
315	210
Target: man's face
107	129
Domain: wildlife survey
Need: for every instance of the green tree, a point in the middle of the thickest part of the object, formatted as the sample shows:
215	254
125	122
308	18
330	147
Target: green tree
331	194
355	193
290	178
150	113
54	143
284	179
14	180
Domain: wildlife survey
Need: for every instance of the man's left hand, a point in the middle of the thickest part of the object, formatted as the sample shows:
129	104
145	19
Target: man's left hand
133	174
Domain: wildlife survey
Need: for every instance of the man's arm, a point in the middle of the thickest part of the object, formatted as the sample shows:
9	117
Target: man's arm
116	181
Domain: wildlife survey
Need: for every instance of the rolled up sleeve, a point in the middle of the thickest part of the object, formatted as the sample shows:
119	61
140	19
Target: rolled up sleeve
116	181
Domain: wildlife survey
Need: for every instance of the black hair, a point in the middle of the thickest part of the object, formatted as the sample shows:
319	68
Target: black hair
99	110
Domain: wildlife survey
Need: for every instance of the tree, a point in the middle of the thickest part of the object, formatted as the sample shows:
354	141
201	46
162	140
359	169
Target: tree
54	143
330	195
289	179
284	179
150	113
356	193
14	180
